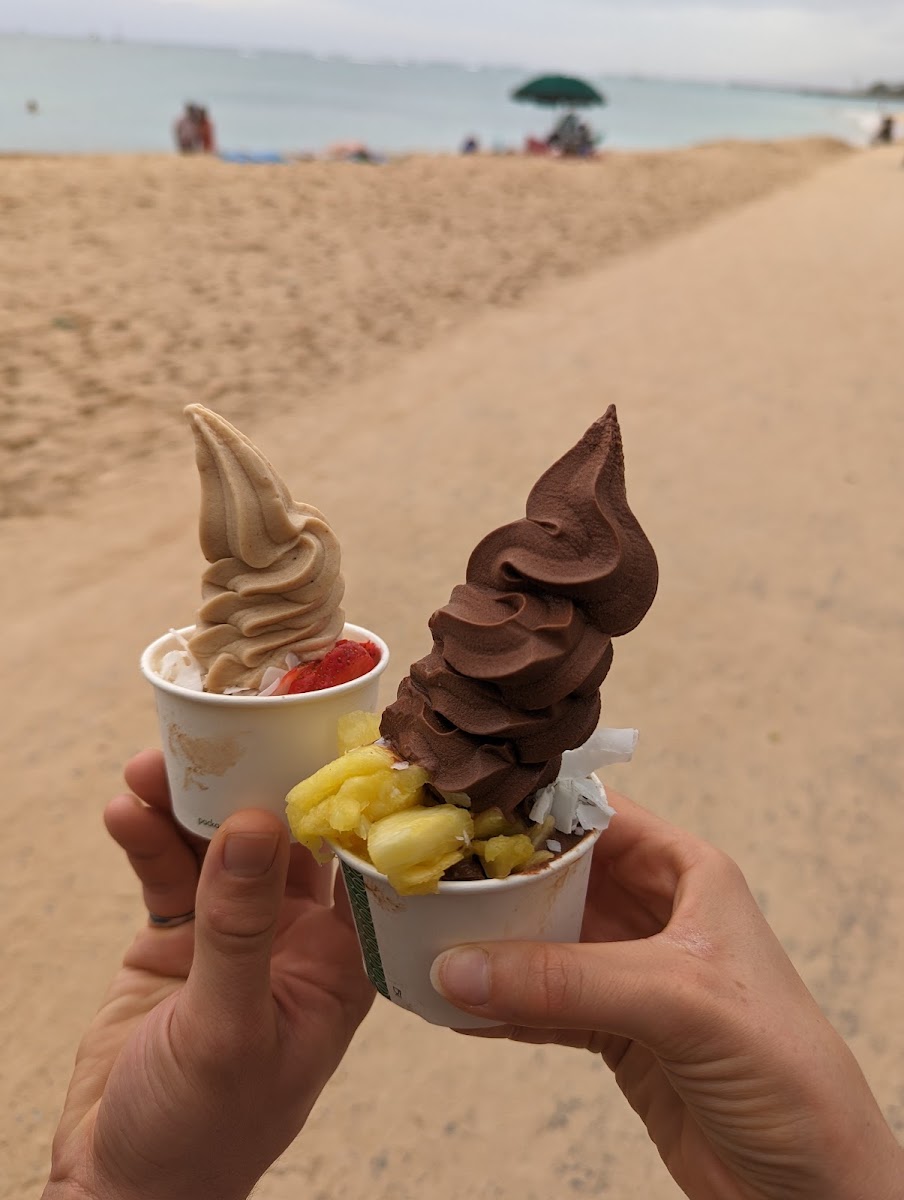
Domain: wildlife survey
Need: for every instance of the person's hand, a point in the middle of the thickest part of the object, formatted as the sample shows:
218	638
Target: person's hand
681	986
218	1034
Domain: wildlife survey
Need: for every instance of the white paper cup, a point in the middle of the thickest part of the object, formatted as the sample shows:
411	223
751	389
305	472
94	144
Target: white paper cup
400	936
225	753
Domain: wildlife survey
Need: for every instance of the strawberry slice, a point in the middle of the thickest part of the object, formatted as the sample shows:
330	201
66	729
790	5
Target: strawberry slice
346	661
343	664
297	675
373	650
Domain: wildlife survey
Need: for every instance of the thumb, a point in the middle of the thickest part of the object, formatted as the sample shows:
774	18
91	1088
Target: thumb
614	987
239	896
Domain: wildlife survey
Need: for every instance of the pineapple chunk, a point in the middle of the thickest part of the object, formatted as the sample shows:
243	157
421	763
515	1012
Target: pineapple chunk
421	881
414	847
374	806
502	855
343	799
541	857
351	842
345	810
491	823
396	790
366	760
539	833
460	799
310	830
357	729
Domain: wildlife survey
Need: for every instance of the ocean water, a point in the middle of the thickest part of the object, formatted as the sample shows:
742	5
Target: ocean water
114	96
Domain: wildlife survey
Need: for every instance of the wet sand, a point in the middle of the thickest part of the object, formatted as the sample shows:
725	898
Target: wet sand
755	362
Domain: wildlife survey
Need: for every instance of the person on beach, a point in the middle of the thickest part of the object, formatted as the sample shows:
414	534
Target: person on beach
564	134
236	1003
186	131
885	134
206	132
584	142
573	137
193	132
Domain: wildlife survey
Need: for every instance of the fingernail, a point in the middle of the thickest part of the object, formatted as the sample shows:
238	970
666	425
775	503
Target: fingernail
250	854
463	975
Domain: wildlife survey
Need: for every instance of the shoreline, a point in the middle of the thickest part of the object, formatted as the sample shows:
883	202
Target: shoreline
306	158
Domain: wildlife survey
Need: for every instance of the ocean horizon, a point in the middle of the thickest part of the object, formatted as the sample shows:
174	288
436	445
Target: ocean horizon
104	96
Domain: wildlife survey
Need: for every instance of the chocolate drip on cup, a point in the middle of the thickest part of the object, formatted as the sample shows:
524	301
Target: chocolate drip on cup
520	651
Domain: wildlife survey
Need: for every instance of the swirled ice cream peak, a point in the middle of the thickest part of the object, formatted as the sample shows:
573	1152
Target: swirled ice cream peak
274	585
521	649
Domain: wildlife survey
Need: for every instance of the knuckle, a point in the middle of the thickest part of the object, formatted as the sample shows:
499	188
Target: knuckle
552	984
238	923
728	871
719	866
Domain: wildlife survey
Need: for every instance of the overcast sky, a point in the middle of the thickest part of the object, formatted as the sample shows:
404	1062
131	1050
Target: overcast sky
832	41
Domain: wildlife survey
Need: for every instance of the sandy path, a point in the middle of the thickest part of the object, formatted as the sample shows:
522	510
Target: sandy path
756	366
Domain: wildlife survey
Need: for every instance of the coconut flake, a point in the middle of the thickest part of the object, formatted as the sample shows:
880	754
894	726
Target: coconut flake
577	801
172	661
592	816
183	642
553	845
577	805
179	667
270	680
400	766
565	805
292	661
543	804
602	749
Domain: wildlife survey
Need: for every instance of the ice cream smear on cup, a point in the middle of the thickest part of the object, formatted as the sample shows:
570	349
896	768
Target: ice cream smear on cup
271	619
483	766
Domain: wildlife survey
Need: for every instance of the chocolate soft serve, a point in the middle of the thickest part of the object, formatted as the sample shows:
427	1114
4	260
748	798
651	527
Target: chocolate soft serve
521	649
274	585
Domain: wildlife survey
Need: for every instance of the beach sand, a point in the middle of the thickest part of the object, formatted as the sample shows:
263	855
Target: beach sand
411	372
132	286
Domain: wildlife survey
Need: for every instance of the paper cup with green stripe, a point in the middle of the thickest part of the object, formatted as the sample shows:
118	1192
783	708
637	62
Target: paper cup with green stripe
400	936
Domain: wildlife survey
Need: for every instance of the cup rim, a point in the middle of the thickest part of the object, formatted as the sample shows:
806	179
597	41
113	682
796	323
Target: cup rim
464	887
358	633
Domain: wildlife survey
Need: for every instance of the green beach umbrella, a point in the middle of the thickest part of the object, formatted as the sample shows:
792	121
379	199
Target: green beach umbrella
559	89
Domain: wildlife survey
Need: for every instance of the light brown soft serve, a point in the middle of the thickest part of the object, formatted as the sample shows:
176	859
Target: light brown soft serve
274	585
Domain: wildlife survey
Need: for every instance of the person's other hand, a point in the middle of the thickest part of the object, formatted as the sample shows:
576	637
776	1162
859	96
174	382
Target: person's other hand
217	1035
683	989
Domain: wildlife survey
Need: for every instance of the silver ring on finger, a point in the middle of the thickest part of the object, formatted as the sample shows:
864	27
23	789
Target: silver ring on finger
157	922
